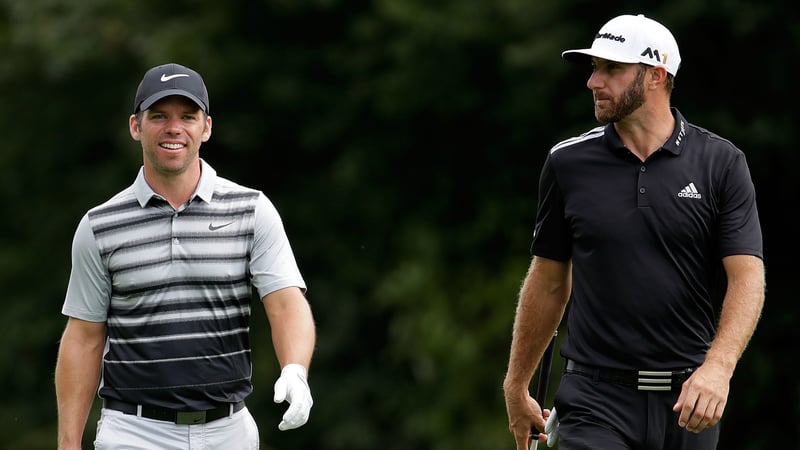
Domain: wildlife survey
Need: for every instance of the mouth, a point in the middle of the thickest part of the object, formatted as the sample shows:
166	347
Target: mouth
599	97
599	100
169	146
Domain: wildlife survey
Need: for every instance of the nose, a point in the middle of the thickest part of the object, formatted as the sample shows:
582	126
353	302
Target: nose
594	80
174	125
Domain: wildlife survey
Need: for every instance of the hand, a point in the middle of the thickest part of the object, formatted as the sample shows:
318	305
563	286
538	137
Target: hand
292	386
703	398
524	413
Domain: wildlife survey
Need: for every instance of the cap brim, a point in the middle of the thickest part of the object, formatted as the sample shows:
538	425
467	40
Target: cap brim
149	101
582	54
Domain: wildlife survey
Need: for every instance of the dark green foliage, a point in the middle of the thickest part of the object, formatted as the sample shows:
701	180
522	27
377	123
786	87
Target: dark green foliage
401	140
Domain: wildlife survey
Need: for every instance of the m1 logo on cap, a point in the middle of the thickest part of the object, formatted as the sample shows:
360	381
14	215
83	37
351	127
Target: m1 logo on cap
653	54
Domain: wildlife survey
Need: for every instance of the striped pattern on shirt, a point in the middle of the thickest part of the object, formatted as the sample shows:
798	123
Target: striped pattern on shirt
178	310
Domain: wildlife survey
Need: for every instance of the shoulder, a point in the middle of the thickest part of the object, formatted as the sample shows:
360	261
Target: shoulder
228	191
224	185
707	150
588	138
117	204
692	137
700	135
233	197
214	188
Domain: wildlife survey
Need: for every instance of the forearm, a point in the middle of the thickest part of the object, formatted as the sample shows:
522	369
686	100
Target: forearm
741	310
294	340
293	328
76	379
540	307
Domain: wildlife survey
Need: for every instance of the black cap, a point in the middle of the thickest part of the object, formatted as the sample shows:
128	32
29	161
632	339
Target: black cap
170	79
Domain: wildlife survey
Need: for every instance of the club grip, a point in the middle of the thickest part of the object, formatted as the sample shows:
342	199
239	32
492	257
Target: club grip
544	379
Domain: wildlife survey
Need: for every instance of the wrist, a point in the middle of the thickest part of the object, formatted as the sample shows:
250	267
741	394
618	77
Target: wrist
295	369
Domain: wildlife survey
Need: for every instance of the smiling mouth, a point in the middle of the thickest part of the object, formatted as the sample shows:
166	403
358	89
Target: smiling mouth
172	146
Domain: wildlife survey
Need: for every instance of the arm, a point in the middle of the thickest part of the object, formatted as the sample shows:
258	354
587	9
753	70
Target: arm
542	300
292	324
293	336
77	377
705	394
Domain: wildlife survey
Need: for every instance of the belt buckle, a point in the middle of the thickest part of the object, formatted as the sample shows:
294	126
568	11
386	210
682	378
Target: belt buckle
190	417
653	380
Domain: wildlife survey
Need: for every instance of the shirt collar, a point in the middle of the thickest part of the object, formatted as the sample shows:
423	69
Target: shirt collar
675	141
208	178
205	188
672	145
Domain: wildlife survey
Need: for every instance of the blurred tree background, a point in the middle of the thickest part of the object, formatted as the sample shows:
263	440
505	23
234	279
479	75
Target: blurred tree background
401	140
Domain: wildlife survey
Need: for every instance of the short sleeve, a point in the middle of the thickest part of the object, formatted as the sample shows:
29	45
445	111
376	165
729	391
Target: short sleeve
272	263
89	288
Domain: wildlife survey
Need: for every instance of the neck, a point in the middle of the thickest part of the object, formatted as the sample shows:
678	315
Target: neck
176	187
645	131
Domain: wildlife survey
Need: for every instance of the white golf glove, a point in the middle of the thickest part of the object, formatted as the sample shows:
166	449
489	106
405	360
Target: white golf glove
292	386
551	428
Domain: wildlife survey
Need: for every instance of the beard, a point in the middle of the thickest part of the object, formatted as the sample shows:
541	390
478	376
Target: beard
628	102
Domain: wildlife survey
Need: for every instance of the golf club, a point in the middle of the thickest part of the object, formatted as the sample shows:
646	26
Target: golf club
544	380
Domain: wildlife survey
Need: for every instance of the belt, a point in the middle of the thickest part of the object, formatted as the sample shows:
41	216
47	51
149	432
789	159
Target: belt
643	380
171	415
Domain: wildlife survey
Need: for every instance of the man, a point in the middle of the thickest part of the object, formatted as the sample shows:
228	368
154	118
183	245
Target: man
649	224
160	291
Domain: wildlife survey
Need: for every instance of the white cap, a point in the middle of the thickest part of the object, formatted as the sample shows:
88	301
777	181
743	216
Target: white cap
633	39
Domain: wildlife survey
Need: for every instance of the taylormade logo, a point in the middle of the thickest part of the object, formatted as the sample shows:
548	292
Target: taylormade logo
610	37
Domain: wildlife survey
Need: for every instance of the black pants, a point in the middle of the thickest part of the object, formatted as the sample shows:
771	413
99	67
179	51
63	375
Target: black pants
595	414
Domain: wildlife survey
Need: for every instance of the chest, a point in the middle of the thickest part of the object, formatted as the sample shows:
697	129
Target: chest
165	246
623	199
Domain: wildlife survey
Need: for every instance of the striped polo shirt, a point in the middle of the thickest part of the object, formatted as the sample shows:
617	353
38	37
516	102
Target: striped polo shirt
175	287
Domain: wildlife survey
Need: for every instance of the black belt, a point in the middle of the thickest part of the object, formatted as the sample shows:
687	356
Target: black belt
643	380
174	416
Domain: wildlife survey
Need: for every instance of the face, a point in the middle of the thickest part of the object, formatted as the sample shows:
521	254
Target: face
171	132
617	89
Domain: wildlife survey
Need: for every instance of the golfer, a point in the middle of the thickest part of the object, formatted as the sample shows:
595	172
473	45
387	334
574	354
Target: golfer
648	223
160	292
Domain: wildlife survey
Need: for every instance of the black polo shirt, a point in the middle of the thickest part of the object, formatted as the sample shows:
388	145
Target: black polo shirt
646	241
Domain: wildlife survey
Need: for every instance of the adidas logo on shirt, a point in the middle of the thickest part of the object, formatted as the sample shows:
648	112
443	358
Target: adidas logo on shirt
689	192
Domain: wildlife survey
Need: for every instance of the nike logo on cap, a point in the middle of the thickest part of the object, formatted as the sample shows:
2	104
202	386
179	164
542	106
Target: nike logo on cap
165	77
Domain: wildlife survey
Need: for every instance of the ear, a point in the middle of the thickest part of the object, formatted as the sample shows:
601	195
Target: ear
133	127
207	130
658	75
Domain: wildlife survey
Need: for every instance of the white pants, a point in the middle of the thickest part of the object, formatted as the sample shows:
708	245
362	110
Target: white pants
119	431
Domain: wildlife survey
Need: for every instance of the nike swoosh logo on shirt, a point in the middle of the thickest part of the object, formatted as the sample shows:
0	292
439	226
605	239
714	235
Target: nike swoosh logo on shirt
212	227
165	77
